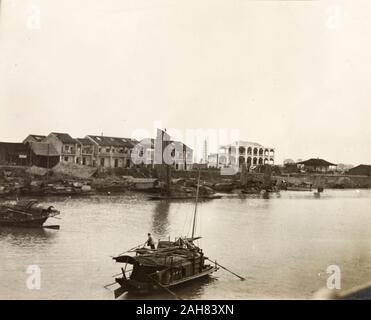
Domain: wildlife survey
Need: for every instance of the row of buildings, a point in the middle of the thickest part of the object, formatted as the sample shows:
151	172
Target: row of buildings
253	154
92	150
114	152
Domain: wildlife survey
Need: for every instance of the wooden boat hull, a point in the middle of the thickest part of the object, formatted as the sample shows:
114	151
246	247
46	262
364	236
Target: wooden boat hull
298	189
31	223
224	187
25	214
127	285
250	191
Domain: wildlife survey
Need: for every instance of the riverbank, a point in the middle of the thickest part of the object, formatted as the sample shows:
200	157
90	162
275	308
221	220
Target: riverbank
329	181
26	181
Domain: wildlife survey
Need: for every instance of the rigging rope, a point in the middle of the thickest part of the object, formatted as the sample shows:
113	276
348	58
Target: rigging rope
185	221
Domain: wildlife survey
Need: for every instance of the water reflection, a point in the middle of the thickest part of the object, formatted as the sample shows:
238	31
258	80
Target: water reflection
160	218
26	236
295	231
193	289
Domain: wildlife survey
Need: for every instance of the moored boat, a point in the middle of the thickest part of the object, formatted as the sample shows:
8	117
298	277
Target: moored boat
250	191
224	186
26	213
299	188
171	264
168	265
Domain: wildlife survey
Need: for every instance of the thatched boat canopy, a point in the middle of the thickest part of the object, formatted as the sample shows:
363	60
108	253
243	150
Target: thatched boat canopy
162	258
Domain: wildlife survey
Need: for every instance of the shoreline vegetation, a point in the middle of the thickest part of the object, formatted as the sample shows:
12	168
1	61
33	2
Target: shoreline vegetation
33	181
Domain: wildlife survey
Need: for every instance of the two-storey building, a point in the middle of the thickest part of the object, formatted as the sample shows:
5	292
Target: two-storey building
86	152
65	145
174	153
112	152
239	153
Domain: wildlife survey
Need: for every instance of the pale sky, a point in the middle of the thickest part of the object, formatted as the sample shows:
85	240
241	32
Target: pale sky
294	75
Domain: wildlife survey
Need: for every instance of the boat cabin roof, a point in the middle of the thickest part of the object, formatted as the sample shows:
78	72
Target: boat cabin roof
161	258
31	206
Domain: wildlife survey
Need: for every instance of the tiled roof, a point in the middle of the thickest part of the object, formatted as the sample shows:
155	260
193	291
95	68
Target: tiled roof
85	141
241	143
361	169
64	137
105	141
37	137
316	163
248	143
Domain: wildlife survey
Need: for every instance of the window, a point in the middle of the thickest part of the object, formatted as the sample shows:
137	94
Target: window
102	162
108	149
66	148
66	159
99	149
116	163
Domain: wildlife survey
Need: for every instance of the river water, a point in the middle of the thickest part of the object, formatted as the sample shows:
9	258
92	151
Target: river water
282	245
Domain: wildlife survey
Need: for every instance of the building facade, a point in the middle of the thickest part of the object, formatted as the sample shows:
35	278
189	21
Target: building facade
65	145
183	156
241	153
213	160
361	170
43	154
86	152
13	153
112	152
179	155
316	165
99	151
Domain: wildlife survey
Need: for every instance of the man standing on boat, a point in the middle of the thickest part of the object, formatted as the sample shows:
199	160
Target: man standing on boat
150	242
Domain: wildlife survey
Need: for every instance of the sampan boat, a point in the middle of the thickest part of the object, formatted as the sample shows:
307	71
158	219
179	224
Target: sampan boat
28	214
299	188
171	264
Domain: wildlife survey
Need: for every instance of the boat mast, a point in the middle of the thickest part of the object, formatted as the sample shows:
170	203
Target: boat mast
195	213
47	166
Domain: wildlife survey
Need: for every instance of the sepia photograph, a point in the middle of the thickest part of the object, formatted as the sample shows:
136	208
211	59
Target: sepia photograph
209	151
